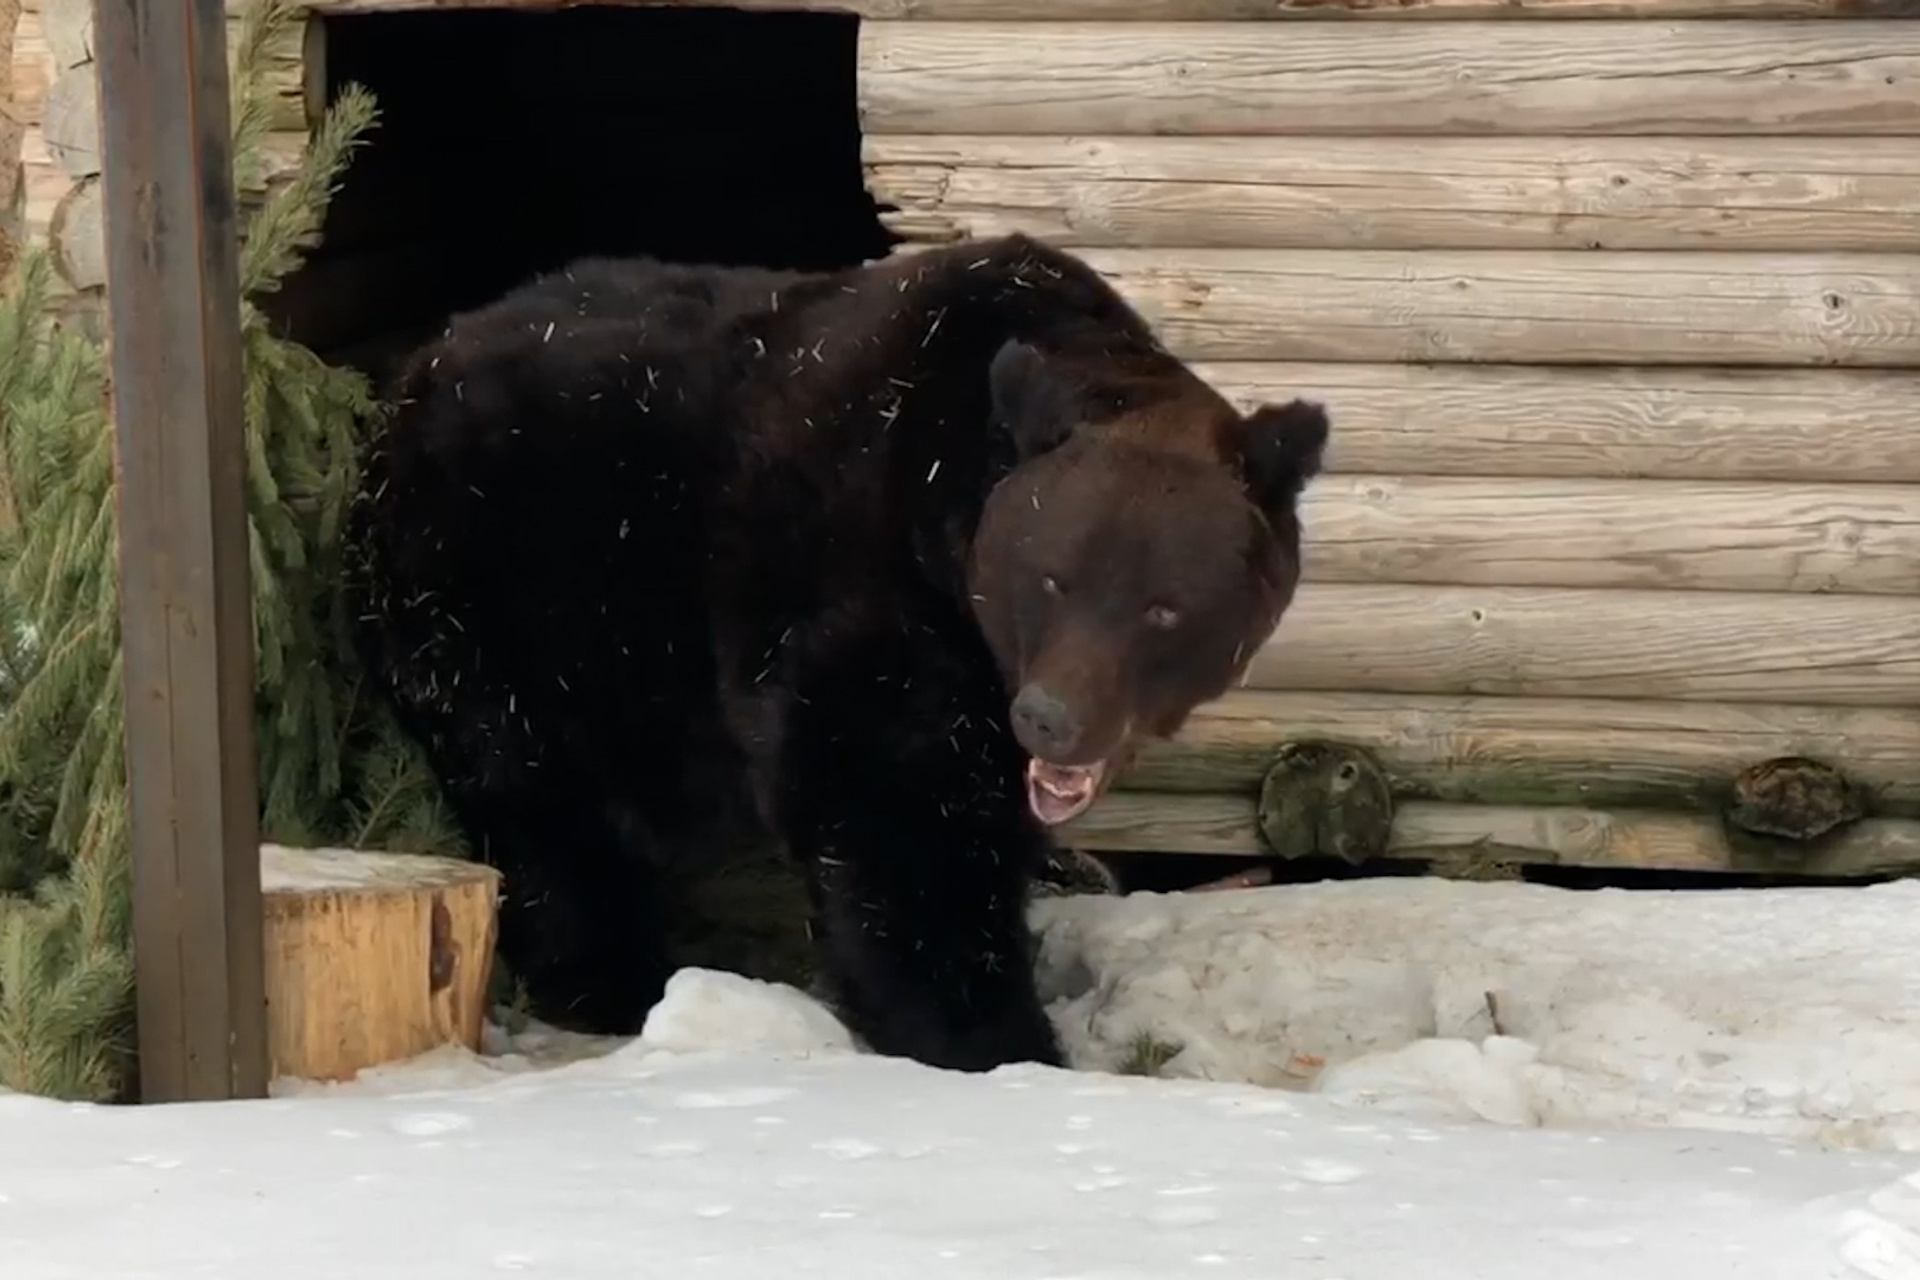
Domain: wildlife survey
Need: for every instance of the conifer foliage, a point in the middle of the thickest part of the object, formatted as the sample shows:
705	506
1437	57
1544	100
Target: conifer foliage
333	768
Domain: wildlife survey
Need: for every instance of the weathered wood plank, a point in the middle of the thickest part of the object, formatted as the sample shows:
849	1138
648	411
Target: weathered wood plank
185	607
1241	78
1145	823
1233	10
1594	751
1778	194
1524	307
1651	534
1569	642
1814	425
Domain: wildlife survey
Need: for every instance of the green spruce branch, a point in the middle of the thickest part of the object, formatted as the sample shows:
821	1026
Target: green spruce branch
333	768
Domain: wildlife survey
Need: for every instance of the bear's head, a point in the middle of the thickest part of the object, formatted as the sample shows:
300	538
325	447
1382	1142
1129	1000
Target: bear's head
1142	548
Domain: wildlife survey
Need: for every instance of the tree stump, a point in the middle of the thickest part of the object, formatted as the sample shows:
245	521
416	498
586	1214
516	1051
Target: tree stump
1325	799
373	958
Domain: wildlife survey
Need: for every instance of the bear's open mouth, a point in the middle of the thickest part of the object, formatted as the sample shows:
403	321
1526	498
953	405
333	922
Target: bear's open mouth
1058	793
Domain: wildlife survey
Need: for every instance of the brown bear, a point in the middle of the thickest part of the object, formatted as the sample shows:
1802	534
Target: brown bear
898	562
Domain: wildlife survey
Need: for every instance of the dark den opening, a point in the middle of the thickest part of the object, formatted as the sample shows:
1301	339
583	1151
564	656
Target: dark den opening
509	143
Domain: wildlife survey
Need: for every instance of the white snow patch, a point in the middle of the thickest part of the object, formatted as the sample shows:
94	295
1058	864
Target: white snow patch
596	1171
743	1136
1792	1012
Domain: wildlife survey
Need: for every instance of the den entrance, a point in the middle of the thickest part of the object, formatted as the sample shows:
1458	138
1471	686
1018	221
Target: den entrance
511	142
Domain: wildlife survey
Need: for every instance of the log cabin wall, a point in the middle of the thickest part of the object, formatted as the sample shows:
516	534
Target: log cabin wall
1617	310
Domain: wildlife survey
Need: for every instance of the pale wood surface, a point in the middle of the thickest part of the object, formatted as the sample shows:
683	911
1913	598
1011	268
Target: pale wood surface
373	958
1572	642
1653	534
1236	10
1526	306
1241	78
1597	751
1141	822
1816	425
56	119
77	236
70	122
1780	194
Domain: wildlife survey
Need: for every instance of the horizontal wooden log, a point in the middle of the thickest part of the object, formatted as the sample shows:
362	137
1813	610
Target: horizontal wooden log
1776	194
1653	534
1815	425
1526	306
1235	10
1142	822
1568	642
1603	752
1240	78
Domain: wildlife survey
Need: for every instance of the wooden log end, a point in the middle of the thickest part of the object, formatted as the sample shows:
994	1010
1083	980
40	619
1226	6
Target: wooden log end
1325	799
373	958
77	236
1793	798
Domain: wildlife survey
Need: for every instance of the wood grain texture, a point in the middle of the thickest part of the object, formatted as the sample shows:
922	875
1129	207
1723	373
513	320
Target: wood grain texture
77	237
1146	823
1651	534
71	122
1815	425
1235	10
1490	750
185	604
1570	642
57	132
1242	78
373	958
1777	194
1526	306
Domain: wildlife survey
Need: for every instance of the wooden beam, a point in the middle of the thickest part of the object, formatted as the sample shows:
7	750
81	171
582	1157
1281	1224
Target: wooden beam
185	612
1145	823
1604	752
1860	310
1651	534
1552	642
1427	79
1235	10
1813	425
1754	194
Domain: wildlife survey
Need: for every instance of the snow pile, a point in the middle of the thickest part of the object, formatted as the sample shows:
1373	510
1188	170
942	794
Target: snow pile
813	1160
1789	1012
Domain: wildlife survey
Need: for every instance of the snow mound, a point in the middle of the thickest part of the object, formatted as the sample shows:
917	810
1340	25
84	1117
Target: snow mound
706	1011
1789	1012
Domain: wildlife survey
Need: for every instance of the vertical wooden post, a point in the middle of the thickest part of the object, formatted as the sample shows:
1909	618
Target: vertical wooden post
186	616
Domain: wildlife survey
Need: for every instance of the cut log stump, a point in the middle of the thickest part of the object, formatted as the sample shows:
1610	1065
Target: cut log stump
373	958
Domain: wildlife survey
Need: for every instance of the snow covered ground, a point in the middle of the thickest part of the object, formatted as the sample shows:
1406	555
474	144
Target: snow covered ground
1683	1087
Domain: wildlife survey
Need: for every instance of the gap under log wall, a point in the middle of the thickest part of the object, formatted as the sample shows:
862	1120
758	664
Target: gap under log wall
1617	310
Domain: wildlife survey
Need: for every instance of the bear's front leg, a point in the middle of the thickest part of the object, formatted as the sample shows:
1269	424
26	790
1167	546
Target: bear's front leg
903	792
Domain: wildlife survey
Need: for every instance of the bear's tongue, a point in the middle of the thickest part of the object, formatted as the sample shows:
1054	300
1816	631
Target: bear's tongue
1057	792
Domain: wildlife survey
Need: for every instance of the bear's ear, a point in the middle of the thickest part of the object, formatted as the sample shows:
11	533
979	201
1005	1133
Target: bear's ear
1280	450
1034	401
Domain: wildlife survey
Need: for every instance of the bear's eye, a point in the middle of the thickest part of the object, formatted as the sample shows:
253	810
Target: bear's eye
1051	585
1163	617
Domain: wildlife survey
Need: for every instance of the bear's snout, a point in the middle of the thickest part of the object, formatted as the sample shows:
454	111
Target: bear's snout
1043	724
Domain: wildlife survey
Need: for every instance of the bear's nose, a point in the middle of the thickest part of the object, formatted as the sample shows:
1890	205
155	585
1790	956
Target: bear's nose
1043	724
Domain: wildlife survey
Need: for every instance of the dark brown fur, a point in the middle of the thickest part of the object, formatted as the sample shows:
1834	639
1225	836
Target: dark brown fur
649	549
